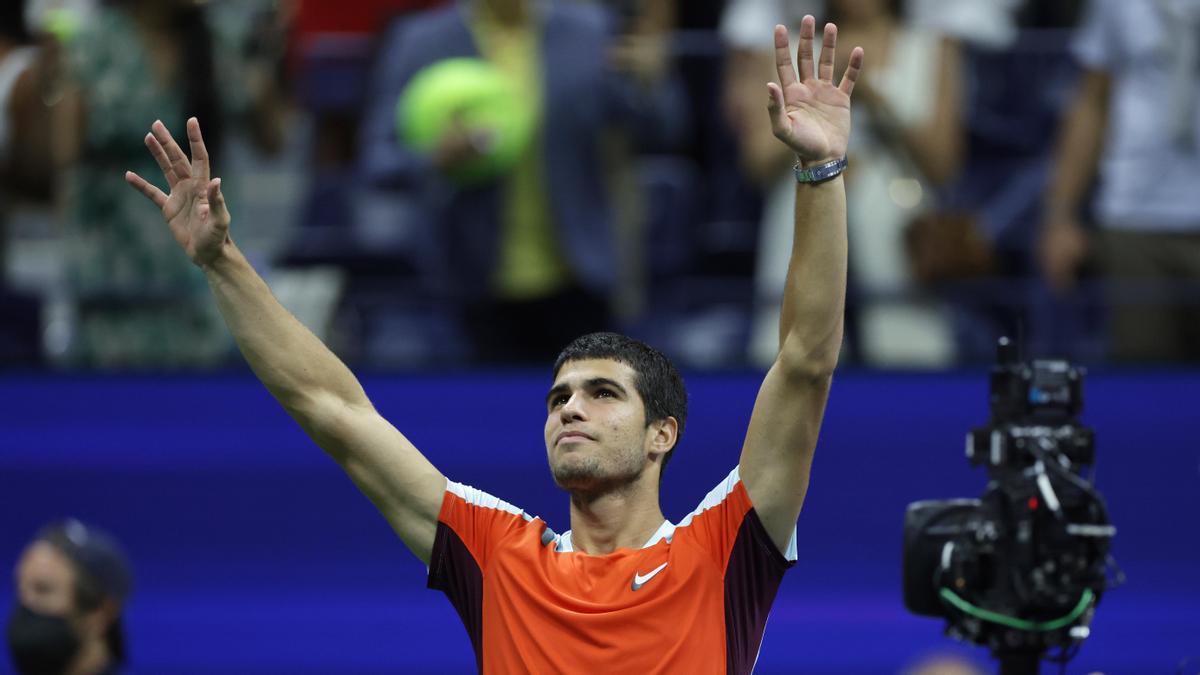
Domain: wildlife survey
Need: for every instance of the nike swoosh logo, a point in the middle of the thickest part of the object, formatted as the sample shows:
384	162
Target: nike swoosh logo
639	580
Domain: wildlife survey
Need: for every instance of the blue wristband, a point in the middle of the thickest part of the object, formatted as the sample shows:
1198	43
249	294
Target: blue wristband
819	173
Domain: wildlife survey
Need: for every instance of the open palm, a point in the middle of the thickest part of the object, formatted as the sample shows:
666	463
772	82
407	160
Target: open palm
195	209
808	111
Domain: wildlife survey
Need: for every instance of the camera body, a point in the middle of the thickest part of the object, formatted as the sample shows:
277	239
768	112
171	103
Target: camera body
1021	569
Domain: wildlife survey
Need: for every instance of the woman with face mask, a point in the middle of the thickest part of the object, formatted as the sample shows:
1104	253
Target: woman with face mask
72	582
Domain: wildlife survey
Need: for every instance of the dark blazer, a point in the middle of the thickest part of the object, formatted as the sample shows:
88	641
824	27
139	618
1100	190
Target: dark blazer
581	98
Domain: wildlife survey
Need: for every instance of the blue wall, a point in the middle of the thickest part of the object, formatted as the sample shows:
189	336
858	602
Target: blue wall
254	554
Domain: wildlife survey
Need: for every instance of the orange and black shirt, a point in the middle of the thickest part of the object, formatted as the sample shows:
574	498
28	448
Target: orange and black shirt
694	599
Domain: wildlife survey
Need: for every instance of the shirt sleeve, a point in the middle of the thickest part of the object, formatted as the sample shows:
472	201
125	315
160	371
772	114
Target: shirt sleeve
726	515
474	521
471	524
728	529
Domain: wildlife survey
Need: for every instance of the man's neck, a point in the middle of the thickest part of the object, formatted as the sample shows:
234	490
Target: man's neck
624	518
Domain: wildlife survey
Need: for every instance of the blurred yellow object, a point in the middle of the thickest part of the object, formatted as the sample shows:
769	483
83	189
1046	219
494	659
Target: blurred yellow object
477	95
63	24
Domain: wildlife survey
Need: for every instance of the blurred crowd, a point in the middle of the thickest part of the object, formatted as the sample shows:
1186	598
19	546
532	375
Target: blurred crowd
437	183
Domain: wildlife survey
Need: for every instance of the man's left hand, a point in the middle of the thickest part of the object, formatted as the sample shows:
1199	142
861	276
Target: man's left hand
808	111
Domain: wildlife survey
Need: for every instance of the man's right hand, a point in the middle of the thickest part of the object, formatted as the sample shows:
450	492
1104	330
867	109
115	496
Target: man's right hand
460	146
195	209
311	383
1061	250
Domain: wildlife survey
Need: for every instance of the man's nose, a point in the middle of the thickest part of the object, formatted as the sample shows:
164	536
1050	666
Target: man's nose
572	409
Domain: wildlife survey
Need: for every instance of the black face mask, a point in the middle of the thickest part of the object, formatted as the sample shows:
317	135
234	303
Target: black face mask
40	644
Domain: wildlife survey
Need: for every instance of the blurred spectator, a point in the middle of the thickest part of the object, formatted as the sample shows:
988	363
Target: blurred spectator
907	143
998	192
25	168
532	253
136	304
330	44
72	583
641	44
761	157
1136	118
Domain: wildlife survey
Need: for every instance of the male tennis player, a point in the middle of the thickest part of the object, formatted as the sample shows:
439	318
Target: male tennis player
624	590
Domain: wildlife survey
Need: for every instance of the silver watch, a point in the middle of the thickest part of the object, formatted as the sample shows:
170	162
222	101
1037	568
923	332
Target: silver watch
819	173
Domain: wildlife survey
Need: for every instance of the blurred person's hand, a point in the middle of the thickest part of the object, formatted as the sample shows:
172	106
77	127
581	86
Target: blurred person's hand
808	111
1062	247
460	146
195	209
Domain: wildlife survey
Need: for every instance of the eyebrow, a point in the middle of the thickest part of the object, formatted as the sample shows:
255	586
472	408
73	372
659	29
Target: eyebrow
592	383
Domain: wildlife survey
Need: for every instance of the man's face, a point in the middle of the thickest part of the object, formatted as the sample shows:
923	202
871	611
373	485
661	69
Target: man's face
46	580
596	433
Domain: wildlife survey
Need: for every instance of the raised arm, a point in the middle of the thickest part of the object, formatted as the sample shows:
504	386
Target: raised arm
301	373
810	114
1063	244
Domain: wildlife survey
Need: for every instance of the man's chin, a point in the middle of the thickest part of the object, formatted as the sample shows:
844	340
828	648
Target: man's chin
579	479
573	478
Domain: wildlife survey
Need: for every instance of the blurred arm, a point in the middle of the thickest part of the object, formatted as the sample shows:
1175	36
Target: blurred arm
29	169
641	90
1063	243
936	145
1079	144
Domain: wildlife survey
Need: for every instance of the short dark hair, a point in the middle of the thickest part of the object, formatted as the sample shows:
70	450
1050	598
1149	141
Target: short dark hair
656	379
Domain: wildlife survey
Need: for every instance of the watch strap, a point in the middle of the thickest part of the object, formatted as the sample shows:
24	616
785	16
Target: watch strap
819	173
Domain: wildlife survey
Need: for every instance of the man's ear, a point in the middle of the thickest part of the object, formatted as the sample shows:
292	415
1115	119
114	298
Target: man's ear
663	435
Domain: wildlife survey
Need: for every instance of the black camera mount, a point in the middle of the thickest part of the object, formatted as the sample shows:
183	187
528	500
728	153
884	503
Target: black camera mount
1021	569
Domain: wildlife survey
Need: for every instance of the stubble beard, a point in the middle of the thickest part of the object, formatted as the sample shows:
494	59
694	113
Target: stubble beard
589	477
